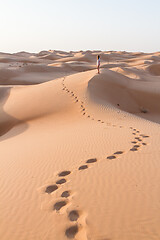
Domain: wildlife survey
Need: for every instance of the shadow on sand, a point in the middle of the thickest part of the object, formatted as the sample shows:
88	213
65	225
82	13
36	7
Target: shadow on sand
8	122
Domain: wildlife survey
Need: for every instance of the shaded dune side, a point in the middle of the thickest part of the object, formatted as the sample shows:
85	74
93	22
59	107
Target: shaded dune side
17	76
50	57
87	57
18	59
20	105
7	122
140	98
72	67
25	104
6	76
154	69
40	68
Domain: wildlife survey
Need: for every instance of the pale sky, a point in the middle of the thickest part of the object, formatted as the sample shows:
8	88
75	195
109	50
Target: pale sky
35	25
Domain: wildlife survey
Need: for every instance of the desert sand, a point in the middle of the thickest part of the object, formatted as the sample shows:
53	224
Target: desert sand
80	155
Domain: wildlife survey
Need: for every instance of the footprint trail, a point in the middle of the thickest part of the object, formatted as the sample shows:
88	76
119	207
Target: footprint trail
60	184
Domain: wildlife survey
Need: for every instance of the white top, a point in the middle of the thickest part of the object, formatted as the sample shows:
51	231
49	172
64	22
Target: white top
98	62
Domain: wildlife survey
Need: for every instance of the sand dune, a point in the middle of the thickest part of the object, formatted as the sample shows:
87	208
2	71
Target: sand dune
154	69
79	150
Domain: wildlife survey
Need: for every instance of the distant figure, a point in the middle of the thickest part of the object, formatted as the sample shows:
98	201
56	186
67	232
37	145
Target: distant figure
98	63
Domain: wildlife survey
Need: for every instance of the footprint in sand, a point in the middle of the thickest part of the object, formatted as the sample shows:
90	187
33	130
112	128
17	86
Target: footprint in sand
51	188
137	138
73	215
144	136
136	146
92	160
64	173
111	157
65	194
140	140
61	181
71	231
144	144
58	205
118	152
83	167
133	149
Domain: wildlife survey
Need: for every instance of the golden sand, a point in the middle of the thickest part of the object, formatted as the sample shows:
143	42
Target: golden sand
79	150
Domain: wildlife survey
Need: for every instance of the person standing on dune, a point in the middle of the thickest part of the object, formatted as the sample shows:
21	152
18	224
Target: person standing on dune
98	63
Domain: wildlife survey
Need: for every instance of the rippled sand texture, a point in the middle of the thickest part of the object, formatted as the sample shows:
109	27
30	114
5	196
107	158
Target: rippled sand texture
79	150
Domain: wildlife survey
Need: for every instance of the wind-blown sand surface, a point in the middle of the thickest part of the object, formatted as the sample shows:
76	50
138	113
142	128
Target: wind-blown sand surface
80	155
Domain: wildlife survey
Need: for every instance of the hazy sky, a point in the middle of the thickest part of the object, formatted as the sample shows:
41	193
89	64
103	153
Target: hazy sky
35	25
